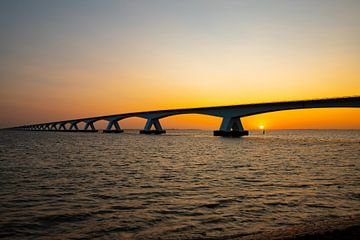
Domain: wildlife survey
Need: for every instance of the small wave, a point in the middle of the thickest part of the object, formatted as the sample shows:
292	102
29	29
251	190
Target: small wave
296	186
169	212
319	206
218	220
251	180
167	177
211	205
100	212
125	208
61	218
112	230
161	194
288	204
182	229
102	196
18	228
354	196
191	214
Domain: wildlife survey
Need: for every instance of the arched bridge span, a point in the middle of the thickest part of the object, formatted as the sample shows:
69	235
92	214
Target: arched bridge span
231	116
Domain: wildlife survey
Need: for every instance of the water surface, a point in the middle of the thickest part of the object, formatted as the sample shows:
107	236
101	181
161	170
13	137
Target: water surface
182	185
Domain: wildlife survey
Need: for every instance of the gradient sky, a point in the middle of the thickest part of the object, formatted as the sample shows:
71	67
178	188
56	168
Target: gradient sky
70	59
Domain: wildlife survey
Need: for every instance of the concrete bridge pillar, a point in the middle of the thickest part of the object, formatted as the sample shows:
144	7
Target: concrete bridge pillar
113	123
150	123
73	126
62	127
90	124
53	127
231	127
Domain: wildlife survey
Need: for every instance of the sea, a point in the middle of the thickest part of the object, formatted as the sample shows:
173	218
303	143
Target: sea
185	184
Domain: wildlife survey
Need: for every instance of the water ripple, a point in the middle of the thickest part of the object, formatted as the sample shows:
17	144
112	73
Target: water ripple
184	185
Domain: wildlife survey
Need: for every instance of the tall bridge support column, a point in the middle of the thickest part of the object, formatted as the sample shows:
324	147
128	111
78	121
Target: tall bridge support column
115	124
152	122
231	127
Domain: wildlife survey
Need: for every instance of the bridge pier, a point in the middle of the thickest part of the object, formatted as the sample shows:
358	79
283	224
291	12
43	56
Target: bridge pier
73	127
152	122
89	124
62	127
115	124
231	127
53	127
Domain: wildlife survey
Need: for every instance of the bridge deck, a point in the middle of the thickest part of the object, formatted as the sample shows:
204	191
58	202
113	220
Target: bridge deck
336	101
231	125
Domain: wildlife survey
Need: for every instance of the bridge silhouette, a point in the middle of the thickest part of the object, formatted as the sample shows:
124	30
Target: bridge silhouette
231	116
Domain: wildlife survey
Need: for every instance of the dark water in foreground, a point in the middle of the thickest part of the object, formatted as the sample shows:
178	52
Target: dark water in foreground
182	185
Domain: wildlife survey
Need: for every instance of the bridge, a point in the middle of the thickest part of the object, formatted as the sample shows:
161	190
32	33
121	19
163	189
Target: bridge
231	116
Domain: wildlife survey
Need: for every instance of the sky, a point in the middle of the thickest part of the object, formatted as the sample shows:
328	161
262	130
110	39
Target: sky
70	59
